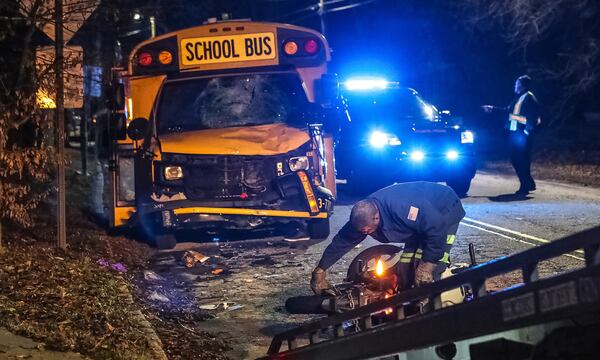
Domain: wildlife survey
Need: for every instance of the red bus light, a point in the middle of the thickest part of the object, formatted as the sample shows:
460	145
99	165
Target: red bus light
290	48
145	59
311	46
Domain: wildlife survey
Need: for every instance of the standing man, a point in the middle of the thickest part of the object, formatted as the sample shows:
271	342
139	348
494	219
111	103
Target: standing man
523	117
422	215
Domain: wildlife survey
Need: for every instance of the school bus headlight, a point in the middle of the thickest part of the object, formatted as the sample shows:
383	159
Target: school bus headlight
298	163
173	172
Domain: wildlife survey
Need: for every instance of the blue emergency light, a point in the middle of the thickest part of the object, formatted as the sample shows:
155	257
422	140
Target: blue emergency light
366	84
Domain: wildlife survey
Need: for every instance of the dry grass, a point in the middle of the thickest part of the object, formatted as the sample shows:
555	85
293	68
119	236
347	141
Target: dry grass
64	298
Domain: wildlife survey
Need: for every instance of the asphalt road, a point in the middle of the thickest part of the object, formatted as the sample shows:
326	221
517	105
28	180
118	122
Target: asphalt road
261	275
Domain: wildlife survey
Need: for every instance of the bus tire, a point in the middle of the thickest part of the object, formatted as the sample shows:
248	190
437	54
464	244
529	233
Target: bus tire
153	234
319	229
163	241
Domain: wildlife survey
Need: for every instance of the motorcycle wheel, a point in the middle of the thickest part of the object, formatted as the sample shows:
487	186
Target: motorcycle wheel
389	254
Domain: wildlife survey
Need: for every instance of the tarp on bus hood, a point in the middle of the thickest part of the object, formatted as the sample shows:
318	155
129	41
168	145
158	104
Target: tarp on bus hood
268	139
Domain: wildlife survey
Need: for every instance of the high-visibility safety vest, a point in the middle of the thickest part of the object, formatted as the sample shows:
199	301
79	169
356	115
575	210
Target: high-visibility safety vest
515	116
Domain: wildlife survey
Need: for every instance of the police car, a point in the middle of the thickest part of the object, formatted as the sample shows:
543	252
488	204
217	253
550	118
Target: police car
395	135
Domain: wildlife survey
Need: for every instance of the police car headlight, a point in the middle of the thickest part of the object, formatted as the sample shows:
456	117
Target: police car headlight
467	137
173	172
379	139
298	163
417	155
452	155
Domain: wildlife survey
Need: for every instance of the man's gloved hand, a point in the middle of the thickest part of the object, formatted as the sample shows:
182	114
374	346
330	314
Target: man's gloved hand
319	283
424	273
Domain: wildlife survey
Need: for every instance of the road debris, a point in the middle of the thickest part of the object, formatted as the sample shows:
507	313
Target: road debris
120	267
217	271
158	297
222	306
191	258
235	307
150	275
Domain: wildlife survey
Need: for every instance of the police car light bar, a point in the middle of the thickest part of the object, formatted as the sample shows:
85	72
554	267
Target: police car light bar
366	84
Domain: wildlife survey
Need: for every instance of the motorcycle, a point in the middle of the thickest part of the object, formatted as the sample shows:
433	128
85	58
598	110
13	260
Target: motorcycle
371	277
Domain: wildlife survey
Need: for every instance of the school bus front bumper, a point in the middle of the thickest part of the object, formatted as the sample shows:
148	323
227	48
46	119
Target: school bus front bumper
250	212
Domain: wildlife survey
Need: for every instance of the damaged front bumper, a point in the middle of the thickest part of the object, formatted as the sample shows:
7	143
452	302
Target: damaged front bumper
179	213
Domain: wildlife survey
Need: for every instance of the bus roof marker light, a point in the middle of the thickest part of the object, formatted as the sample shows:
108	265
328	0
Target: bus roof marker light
290	48
165	57
145	59
366	84
311	46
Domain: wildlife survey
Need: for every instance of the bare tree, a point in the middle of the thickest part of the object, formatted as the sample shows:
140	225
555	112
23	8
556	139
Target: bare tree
27	156
558	39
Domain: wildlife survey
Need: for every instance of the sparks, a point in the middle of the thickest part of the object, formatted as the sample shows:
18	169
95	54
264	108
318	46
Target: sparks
379	268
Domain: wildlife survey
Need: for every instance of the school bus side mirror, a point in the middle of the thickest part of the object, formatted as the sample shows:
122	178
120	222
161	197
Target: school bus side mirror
137	129
327	90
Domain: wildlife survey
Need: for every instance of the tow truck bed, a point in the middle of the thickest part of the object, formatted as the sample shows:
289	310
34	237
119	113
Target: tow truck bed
535	307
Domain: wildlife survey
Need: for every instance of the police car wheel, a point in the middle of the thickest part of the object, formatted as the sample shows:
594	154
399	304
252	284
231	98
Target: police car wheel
319	229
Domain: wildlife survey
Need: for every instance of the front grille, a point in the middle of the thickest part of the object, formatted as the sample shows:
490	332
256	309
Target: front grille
229	177
210	177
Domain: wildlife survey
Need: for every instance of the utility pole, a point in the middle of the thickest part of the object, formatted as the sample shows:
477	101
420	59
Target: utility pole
60	125
321	13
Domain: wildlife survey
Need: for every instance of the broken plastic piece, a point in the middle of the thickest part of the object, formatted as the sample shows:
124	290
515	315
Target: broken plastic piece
191	258
158	297
217	271
150	275
119	267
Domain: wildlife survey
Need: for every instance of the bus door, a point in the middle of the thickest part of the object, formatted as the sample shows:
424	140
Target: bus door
121	189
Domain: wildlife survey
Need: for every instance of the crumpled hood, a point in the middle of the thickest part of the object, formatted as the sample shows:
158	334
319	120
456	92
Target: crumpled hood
268	139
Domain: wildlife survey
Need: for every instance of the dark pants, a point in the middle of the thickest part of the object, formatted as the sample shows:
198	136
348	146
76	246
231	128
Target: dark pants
409	260
519	147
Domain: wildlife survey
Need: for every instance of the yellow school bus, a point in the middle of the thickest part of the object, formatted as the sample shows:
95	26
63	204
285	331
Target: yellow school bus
223	126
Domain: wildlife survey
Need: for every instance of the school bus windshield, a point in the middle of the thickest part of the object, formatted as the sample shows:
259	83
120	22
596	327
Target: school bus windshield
228	101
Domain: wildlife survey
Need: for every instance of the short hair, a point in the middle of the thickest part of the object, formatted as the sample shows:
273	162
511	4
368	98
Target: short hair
364	213
525	81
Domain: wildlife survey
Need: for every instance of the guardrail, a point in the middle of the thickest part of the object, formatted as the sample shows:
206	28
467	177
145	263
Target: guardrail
526	261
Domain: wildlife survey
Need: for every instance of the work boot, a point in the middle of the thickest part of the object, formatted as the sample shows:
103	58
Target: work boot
522	191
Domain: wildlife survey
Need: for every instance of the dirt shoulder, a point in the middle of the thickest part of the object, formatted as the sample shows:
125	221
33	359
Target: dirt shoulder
80	300
569	154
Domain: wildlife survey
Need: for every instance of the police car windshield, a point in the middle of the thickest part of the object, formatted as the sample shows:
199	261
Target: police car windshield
227	101
390	105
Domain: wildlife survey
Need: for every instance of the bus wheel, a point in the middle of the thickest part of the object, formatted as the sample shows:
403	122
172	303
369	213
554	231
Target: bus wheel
319	229
164	241
152	233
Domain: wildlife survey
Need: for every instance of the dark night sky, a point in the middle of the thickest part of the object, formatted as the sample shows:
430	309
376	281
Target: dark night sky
423	44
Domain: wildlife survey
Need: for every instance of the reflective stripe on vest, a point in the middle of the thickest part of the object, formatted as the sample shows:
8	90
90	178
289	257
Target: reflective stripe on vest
516	117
